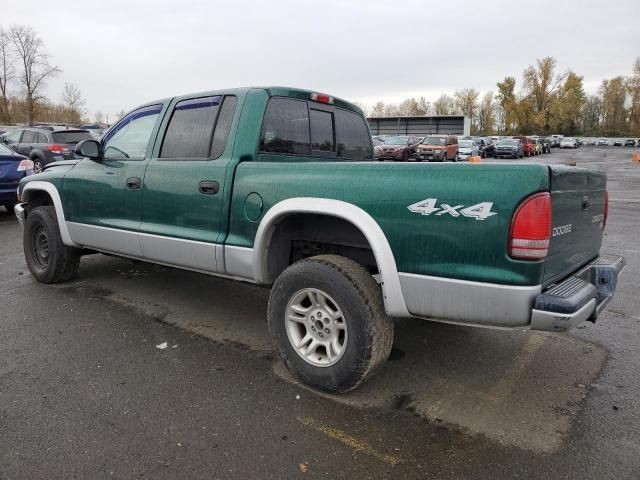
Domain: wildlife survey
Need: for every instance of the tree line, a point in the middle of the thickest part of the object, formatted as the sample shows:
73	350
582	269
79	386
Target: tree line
25	68
545	102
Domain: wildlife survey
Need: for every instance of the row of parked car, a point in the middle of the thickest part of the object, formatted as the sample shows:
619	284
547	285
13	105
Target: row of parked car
443	148
571	142
27	150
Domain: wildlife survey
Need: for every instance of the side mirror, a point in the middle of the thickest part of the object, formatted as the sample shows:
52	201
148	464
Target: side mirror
89	149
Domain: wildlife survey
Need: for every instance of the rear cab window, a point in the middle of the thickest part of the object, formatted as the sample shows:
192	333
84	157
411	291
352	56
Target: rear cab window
297	127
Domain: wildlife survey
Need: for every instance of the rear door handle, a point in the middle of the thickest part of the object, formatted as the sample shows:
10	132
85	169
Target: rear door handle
209	187
133	183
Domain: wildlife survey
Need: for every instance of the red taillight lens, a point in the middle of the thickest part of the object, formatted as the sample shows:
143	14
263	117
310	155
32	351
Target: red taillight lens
606	209
531	228
322	98
56	148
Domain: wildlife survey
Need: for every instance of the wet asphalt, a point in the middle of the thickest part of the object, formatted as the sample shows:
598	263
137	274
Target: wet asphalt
86	392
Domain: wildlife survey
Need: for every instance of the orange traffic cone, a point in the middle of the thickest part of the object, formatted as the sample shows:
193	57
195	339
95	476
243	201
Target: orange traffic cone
475	159
635	157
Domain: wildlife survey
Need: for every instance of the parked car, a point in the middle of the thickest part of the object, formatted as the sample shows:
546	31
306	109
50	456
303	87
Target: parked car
603	142
568	142
44	146
13	167
617	143
489	148
467	148
528	144
539	146
546	144
509	147
438	148
397	148
481	142
630	143
344	245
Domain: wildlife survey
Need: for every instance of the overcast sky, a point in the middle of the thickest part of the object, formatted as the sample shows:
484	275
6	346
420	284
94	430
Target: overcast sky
123	53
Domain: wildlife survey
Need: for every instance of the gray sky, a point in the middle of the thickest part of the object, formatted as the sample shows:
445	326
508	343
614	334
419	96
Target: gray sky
123	53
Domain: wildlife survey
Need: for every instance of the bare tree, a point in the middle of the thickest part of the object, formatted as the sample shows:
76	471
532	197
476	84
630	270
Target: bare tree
35	68
99	117
73	103
7	73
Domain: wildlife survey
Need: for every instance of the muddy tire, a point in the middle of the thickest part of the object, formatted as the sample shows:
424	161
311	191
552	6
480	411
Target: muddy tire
48	259
327	319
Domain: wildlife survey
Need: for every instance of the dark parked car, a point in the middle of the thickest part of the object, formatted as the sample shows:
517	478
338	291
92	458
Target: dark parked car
13	167
509	147
630	143
397	148
45	146
490	148
617	143
482	146
547	143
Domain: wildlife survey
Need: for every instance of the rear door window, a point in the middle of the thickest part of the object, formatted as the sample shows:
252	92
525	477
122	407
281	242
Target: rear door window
353	140
189	134
223	126
285	128
41	137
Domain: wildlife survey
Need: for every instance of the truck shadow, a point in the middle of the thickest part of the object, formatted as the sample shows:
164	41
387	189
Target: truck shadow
518	388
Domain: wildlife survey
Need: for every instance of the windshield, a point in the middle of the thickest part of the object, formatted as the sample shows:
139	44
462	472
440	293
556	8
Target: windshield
465	143
71	137
509	142
434	141
397	141
5	150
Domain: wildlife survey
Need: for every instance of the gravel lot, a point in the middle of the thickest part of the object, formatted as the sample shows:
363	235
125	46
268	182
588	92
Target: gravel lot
85	392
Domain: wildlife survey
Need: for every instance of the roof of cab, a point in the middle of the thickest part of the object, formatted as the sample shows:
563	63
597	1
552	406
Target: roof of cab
272	91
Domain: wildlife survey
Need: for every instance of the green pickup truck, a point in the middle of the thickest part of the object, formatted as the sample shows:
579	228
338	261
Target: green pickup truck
279	187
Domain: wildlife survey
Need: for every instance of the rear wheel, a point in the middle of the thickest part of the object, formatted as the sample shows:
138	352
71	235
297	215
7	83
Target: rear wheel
38	165
48	259
327	318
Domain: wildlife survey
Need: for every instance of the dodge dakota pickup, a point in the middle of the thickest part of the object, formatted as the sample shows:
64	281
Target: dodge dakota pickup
279	187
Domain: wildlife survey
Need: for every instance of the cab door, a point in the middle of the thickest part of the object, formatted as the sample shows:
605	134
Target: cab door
184	183
102	199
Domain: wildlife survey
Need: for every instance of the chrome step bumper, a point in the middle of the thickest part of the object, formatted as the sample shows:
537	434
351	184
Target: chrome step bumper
578	298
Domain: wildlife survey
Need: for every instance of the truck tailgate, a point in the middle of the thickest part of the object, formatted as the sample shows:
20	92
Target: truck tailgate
577	218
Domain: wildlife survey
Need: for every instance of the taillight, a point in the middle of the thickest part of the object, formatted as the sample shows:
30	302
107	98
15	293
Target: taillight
25	165
531	228
57	148
606	209
322	98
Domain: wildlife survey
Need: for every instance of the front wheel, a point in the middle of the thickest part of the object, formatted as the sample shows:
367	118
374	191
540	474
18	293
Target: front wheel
48	259
327	318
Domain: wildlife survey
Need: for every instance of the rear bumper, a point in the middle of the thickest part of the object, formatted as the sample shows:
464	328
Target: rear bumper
578	298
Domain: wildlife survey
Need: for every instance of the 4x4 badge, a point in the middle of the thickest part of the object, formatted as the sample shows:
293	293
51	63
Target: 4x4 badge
479	211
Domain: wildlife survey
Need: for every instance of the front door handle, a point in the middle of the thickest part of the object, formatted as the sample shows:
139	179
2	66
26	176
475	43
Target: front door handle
133	183
209	187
